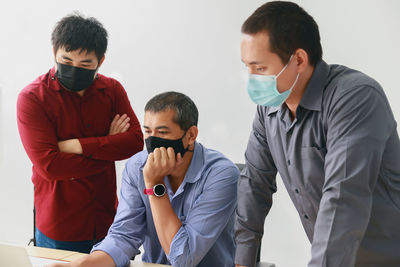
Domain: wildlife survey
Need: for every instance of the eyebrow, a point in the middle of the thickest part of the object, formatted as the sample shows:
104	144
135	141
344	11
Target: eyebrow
157	128
67	58
251	63
82	61
86	61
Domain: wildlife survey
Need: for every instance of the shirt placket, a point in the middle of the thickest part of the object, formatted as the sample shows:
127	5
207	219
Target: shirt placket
295	187
85	129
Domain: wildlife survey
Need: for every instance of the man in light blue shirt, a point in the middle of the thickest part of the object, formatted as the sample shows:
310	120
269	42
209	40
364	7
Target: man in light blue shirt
178	201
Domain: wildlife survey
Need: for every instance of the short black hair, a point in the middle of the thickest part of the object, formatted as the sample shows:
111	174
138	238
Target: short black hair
289	28
186	113
75	32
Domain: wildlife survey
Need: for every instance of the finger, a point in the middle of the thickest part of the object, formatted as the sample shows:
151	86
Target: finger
179	160
171	157
126	127
116	118
157	155
122	118
163	157
123	123
119	121
113	124
150	157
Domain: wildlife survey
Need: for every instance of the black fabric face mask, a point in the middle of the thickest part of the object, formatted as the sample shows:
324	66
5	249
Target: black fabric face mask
153	142
73	78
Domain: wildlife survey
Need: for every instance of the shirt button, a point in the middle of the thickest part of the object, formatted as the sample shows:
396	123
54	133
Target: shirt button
297	190
306	216
72	179
88	125
288	161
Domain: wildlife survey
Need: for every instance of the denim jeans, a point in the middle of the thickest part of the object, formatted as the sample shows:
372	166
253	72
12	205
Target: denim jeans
79	246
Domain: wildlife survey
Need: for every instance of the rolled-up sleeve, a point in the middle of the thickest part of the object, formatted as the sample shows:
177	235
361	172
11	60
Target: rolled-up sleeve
128	230
256	185
359	125
206	219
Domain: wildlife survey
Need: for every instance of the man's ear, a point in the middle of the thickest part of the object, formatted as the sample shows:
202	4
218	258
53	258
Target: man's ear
301	59
192	133
55	60
101	61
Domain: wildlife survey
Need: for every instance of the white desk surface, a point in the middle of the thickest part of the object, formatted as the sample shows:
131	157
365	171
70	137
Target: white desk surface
43	254
65	255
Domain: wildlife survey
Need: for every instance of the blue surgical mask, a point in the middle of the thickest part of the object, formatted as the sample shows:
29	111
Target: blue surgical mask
263	89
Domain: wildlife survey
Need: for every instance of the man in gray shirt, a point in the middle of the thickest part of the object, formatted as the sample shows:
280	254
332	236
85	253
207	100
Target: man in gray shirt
330	133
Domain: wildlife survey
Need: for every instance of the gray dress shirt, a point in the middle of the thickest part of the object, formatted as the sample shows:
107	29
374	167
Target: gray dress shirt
340	162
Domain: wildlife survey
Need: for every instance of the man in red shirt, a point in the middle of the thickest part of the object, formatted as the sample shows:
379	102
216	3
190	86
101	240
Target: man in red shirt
74	123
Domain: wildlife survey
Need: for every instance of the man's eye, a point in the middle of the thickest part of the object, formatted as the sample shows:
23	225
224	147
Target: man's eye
162	132
261	69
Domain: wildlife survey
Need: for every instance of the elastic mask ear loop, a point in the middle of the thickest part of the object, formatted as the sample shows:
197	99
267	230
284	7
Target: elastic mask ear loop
284	67
295	81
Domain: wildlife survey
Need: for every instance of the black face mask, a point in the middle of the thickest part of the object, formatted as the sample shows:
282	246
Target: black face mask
73	78
153	142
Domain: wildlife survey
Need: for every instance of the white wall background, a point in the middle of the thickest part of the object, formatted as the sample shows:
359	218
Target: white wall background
192	47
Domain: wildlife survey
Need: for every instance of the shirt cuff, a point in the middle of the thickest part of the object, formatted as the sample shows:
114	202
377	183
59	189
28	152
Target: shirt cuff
245	255
110	247
89	145
178	246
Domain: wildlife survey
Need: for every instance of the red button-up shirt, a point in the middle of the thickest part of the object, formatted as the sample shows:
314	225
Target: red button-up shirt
75	195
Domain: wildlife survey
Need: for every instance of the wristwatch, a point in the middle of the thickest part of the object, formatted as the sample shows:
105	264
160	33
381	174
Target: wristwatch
158	190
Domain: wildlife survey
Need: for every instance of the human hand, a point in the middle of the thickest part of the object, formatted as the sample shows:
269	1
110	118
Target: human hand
120	124
95	259
67	264
160	162
72	146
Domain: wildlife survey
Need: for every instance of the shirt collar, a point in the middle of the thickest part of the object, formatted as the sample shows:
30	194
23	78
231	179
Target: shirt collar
272	110
312	97
193	173
53	82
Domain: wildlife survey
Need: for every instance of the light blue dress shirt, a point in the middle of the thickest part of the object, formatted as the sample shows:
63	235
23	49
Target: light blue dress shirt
205	203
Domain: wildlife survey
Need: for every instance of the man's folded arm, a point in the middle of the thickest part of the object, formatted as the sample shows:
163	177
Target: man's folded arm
40	142
119	146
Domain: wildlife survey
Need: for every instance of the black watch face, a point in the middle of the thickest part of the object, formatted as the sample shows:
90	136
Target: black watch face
159	190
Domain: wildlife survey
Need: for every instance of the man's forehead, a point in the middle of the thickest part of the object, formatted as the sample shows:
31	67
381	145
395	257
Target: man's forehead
255	48
259	39
79	51
162	117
